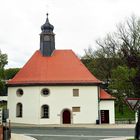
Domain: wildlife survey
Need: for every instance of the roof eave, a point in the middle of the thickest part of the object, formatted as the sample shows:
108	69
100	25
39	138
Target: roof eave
53	84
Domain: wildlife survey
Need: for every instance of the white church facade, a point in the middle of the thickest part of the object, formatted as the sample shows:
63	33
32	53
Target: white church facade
54	87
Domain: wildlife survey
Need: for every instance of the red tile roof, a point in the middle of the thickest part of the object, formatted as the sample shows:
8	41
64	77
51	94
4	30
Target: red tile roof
63	67
105	96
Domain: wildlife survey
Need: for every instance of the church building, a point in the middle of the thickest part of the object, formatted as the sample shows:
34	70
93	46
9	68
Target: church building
54	87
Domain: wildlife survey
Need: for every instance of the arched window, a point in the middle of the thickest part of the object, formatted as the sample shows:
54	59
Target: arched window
45	111
19	110
45	92
19	92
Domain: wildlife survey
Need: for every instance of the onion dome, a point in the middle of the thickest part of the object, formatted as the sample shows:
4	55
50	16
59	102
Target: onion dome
47	27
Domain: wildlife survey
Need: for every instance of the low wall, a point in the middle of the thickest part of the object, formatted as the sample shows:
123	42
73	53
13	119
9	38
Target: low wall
21	137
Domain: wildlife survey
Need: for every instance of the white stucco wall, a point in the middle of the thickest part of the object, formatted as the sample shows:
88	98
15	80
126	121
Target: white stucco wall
30	102
60	98
108	105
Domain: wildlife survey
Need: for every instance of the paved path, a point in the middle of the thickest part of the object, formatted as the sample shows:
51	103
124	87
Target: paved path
78	132
113	126
120	138
21	137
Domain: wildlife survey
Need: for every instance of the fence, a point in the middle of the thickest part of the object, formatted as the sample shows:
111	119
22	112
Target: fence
125	121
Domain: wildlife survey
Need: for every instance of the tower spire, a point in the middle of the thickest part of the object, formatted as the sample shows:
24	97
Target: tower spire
47	39
47	27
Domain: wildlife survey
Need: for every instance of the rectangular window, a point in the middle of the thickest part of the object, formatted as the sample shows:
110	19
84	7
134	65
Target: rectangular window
75	109
75	92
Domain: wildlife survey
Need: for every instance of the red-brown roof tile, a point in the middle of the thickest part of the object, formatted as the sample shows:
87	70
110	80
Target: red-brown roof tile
105	96
62	67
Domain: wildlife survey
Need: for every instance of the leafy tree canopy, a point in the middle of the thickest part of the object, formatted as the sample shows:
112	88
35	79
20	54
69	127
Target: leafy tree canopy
121	83
119	48
10	73
3	60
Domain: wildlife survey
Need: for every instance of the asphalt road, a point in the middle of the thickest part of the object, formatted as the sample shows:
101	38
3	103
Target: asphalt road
72	133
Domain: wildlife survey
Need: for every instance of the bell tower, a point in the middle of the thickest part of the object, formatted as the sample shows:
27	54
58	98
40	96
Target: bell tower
47	38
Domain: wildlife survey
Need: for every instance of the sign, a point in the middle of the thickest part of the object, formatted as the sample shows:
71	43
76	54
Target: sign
134	103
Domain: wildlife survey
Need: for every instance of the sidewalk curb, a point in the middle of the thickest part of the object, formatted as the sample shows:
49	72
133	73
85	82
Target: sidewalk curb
101	126
15	136
118	138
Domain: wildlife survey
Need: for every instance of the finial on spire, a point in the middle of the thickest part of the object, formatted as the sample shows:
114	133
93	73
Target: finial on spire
47	15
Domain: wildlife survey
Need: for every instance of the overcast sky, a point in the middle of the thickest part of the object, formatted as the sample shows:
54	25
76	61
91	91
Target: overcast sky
77	24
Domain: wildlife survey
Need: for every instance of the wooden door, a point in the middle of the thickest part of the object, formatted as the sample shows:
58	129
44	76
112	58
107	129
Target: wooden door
66	117
104	116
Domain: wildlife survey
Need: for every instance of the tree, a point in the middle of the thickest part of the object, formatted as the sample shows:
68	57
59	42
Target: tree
10	73
117	49
129	33
121	85
125	44
100	62
89	60
3	62
106	60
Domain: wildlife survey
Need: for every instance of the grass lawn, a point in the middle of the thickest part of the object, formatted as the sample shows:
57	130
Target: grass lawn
128	114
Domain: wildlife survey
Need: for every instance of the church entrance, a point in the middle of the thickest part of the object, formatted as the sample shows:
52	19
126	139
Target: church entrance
66	116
